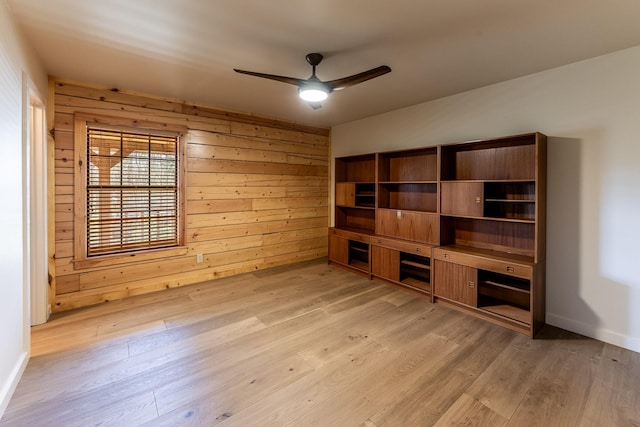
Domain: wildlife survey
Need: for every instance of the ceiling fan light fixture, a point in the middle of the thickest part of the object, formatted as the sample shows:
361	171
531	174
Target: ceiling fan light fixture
313	92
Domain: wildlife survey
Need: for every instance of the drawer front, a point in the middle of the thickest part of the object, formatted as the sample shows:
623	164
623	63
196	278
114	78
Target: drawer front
414	248
497	266
349	235
409	225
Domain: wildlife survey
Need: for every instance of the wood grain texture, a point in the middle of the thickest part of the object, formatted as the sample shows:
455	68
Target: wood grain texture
255	194
310	344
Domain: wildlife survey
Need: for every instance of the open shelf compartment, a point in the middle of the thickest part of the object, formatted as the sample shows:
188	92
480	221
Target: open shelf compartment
510	200
415	271
417	165
421	197
506	296
359	255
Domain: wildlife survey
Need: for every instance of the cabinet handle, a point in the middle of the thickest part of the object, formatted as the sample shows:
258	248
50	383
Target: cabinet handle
472	284
478	199
445	256
510	269
418	250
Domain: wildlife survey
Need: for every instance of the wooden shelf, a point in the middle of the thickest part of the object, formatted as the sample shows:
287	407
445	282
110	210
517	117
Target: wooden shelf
503	286
406	182
511	312
360	250
413	282
359	264
509	201
415	264
490	218
488	180
355	207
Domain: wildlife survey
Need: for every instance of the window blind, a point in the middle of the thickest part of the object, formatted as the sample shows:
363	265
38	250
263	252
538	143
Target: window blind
132	191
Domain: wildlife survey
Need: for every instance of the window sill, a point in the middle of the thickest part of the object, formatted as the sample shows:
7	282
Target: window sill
128	258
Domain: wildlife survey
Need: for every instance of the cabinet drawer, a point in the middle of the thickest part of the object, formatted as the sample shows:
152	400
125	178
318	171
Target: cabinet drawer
414	248
483	263
349	235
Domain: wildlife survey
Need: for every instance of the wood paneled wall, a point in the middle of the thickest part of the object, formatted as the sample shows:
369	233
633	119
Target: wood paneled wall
256	195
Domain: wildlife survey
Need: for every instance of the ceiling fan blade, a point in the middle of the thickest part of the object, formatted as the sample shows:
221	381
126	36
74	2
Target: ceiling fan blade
345	82
283	79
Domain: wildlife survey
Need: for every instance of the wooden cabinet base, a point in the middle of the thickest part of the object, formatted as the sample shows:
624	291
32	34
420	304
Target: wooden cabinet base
505	289
350	250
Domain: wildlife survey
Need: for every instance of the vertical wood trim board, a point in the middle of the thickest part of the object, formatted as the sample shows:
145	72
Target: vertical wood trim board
256	196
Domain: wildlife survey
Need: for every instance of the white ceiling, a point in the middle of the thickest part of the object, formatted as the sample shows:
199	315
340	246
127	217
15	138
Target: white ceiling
186	49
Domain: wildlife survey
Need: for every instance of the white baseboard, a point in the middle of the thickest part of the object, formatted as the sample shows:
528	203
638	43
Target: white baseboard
12	382
591	331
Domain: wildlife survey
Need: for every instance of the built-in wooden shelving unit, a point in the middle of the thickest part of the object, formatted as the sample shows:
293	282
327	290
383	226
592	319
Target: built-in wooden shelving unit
477	209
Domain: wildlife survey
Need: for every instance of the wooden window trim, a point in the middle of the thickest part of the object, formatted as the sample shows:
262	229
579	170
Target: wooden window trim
81	122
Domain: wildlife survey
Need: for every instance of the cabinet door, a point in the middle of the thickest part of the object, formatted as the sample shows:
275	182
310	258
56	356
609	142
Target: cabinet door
339	249
456	282
408	225
385	263
462	198
345	194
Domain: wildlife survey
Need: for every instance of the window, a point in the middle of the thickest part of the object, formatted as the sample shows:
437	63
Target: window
130	185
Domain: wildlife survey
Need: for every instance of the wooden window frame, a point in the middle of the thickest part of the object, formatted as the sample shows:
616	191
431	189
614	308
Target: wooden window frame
81	123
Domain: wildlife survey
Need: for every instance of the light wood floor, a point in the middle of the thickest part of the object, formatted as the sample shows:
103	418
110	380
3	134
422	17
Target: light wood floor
313	345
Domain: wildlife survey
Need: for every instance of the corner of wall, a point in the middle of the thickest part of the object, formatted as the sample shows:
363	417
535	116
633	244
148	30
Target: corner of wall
7	389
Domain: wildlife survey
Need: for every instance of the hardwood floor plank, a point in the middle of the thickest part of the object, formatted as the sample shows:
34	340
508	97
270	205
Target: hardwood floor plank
503	385
311	301
370	293
232	321
394	373
312	345
342	336
437	390
467	411
136	410
45	373
320	386
559	395
213	399
614	397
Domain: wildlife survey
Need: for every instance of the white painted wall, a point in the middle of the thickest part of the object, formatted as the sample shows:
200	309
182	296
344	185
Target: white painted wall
591	112
16	61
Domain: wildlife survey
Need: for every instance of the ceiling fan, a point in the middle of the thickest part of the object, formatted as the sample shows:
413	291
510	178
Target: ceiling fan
313	90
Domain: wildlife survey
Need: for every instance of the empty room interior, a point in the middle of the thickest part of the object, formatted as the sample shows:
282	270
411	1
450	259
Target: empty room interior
328	213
